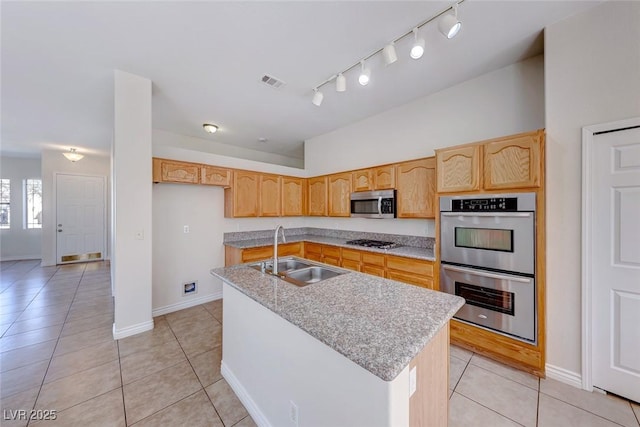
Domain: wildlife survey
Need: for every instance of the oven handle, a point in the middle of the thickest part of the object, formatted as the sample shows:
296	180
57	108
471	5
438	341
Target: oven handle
486	274
380	205
489	214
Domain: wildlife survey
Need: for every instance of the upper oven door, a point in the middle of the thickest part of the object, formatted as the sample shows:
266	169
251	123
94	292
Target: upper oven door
497	240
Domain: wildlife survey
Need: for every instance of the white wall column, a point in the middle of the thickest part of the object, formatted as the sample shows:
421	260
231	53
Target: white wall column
131	256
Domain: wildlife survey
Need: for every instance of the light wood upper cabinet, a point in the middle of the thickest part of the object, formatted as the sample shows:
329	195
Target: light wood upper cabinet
415	182
513	162
212	175
175	171
458	169
384	177
241	200
339	194
293	196
317	193
270	198
362	180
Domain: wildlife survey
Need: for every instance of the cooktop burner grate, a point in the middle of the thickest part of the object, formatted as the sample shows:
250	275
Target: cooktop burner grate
373	243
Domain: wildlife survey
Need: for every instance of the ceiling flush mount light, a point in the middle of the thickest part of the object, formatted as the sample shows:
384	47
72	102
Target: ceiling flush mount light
449	25
341	83
365	74
417	49
208	127
389	54
73	155
317	97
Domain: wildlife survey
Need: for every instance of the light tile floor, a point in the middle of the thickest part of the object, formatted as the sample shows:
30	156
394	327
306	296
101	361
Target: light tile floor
57	352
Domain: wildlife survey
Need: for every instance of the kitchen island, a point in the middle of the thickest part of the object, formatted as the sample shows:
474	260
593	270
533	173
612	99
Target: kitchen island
336	353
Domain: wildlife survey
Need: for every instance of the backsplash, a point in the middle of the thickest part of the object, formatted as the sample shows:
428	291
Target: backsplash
414	241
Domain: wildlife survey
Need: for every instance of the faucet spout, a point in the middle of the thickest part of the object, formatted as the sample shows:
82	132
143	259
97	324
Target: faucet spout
274	270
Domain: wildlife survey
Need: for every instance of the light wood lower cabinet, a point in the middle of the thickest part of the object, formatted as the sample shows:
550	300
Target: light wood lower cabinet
233	256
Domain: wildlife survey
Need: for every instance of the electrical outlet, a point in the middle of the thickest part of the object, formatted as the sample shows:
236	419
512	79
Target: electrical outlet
412	380
293	413
186	229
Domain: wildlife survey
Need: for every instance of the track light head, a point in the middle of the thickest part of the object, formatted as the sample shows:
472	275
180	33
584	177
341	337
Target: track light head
449	25
417	49
317	97
389	54
341	83
365	75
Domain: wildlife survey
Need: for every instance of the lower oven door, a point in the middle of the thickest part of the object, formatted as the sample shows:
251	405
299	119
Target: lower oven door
502	302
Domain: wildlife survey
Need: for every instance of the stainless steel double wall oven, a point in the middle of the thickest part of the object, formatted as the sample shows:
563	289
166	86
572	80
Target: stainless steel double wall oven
487	254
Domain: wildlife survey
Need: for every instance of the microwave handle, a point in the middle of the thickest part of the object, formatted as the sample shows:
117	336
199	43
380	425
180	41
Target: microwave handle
486	274
489	214
380	205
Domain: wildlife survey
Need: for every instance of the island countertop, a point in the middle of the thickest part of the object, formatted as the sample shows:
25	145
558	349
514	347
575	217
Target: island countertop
377	323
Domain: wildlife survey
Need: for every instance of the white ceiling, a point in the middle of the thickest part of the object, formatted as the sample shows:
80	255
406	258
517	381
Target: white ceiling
205	60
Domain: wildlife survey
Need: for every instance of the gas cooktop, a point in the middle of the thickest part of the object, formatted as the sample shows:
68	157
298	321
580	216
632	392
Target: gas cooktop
373	243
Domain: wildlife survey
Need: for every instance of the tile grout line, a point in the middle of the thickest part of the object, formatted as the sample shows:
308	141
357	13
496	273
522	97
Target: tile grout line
57	340
124	404
588	411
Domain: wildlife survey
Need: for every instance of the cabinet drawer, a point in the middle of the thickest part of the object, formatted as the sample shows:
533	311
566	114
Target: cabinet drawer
373	270
290	249
369	258
331	261
256	254
410	265
331	251
351	254
313	256
350	264
312	248
413	279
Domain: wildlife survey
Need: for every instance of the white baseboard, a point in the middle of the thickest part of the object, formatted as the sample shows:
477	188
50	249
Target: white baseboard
191	302
255	412
132	330
21	258
564	376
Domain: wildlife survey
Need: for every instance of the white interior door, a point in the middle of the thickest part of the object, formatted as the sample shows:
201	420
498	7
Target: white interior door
80	218
615	269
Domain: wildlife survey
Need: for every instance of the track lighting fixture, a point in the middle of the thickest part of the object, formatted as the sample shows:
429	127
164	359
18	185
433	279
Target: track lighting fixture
449	25
208	127
341	83
389	54
365	74
317	97
417	49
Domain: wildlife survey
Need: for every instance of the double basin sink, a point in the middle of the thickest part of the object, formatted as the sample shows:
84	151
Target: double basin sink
298	271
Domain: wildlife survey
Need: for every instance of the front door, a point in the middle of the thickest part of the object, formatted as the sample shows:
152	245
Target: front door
80	218
615	271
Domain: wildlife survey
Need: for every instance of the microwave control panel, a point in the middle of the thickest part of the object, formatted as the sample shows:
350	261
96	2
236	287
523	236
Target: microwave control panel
387	206
498	204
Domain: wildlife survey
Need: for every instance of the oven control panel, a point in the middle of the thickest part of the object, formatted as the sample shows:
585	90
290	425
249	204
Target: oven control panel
497	204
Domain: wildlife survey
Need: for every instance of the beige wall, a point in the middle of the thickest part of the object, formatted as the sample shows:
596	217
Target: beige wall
592	75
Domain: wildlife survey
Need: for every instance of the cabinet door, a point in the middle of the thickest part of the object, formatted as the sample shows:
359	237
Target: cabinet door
416	196
458	169
412	279
241	200
317	191
211	175
293	190
339	194
362	180
269	195
175	171
513	162
384	177
373	270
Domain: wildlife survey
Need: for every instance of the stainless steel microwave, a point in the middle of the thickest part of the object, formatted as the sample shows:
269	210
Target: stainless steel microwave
374	204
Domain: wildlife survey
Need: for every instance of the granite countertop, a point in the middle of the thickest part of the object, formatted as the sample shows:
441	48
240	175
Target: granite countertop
379	324
407	251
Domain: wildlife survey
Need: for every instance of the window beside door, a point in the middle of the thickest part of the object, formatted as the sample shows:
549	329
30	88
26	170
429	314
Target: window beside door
5	203
33	203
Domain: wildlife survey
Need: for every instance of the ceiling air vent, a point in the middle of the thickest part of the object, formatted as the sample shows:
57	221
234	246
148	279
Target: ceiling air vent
272	81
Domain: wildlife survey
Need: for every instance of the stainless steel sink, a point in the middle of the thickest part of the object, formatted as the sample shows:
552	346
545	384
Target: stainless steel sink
299	272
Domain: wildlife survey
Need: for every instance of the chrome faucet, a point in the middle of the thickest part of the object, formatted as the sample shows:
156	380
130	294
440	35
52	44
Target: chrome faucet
274	270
